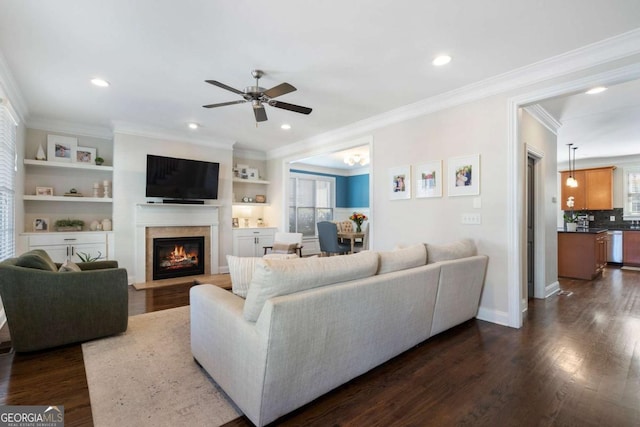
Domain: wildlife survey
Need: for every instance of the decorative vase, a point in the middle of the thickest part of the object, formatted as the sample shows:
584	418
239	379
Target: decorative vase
358	227
572	226
106	224
40	154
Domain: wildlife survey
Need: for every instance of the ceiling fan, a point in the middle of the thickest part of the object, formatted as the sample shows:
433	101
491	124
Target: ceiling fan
259	96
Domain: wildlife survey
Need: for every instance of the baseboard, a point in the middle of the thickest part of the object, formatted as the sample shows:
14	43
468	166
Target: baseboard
493	316
626	267
552	289
223	270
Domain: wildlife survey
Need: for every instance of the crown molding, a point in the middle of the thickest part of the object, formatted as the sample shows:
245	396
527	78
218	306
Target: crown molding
243	153
602	52
133	129
11	92
545	118
69	128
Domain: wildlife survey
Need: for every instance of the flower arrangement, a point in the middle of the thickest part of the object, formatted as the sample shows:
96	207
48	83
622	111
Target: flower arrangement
358	218
570	217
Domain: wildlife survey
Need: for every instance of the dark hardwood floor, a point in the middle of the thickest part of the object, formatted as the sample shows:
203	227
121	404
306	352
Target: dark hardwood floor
576	362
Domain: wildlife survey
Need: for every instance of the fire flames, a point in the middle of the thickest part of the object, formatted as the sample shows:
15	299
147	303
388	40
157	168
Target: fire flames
179	258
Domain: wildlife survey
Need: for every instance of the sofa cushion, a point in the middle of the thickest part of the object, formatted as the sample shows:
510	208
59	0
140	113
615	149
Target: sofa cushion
241	272
402	258
37	259
69	266
275	277
460	249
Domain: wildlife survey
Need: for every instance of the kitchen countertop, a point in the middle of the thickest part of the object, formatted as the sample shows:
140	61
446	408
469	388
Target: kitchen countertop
585	230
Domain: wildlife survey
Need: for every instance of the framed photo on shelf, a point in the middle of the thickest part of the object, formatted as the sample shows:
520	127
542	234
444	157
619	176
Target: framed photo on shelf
464	176
85	155
41	224
400	183
261	198
235	223
428	179
253	173
61	148
44	191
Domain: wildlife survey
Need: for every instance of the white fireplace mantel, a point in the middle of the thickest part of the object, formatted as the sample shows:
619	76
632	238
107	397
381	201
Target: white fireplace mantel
174	215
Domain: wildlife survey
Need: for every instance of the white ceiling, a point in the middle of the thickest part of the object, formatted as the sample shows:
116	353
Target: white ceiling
349	60
601	125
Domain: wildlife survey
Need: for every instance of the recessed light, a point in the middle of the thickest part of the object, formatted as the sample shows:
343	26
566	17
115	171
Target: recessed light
193	125
285	126
100	82
595	90
441	60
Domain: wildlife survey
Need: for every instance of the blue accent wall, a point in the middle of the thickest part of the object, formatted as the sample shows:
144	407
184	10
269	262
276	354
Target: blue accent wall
351	191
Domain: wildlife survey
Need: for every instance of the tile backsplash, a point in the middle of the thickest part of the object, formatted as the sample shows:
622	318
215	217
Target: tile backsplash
602	219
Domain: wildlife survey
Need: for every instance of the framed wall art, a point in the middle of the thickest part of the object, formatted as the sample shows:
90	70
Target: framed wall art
44	191
463	176
400	183
41	224
428	179
61	148
85	155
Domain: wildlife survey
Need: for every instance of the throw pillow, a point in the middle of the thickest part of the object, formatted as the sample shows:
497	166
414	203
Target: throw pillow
460	249
402	259
241	272
37	259
69	266
284	248
276	277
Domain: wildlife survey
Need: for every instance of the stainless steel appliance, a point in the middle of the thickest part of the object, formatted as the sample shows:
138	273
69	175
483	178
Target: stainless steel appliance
615	247
583	221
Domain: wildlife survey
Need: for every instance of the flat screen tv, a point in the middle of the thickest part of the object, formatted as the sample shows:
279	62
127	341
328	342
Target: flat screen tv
182	179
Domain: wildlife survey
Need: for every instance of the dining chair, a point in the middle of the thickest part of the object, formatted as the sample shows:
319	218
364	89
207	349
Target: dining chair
328	237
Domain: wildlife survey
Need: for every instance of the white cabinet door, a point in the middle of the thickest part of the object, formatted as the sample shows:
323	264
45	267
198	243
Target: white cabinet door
245	246
250	242
58	253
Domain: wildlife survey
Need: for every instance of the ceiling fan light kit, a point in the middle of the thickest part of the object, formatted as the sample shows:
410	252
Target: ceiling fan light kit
258	96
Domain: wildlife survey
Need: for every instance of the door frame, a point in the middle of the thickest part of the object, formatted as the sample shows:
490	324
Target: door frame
516	173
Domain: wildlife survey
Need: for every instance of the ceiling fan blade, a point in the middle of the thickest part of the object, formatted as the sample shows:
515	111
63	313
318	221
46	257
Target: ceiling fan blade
279	90
224	86
222	104
260	113
290	107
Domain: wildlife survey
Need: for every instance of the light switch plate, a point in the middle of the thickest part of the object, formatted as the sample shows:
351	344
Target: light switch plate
612	218
471	218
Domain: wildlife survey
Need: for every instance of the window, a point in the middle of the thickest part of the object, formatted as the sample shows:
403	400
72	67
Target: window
8	168
311	199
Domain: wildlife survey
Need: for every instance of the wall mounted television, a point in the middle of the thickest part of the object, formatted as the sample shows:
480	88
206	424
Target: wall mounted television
181	179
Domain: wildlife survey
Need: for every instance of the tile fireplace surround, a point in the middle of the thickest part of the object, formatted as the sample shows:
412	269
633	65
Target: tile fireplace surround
169	220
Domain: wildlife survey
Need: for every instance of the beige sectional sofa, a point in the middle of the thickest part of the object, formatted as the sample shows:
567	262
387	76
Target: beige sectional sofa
309	325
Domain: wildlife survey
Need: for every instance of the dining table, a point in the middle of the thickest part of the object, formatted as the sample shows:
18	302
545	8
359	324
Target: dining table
352	236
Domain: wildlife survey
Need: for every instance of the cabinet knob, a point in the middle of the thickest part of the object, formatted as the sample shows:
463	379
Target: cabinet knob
70	240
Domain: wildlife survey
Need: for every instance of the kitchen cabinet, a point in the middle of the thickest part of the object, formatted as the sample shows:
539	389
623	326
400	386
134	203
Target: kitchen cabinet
594	190
582	255
631	248
63	246
250	242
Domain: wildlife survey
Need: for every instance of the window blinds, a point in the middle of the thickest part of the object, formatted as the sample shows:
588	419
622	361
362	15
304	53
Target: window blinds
8	168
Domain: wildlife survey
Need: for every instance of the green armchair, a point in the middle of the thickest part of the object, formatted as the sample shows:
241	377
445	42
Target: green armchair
46	308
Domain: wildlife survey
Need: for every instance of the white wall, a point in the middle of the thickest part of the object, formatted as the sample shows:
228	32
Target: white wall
129	180
474	128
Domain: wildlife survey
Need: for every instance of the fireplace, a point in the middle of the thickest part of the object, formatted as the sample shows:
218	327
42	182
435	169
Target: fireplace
178	257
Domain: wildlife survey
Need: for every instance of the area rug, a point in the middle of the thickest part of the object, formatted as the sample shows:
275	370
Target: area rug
147	376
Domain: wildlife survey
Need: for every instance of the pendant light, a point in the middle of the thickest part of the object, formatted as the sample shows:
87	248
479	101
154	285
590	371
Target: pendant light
571	182
575	181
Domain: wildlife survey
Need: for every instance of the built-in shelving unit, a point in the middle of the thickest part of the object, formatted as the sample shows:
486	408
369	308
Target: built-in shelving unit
67	199
63	165
246	186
